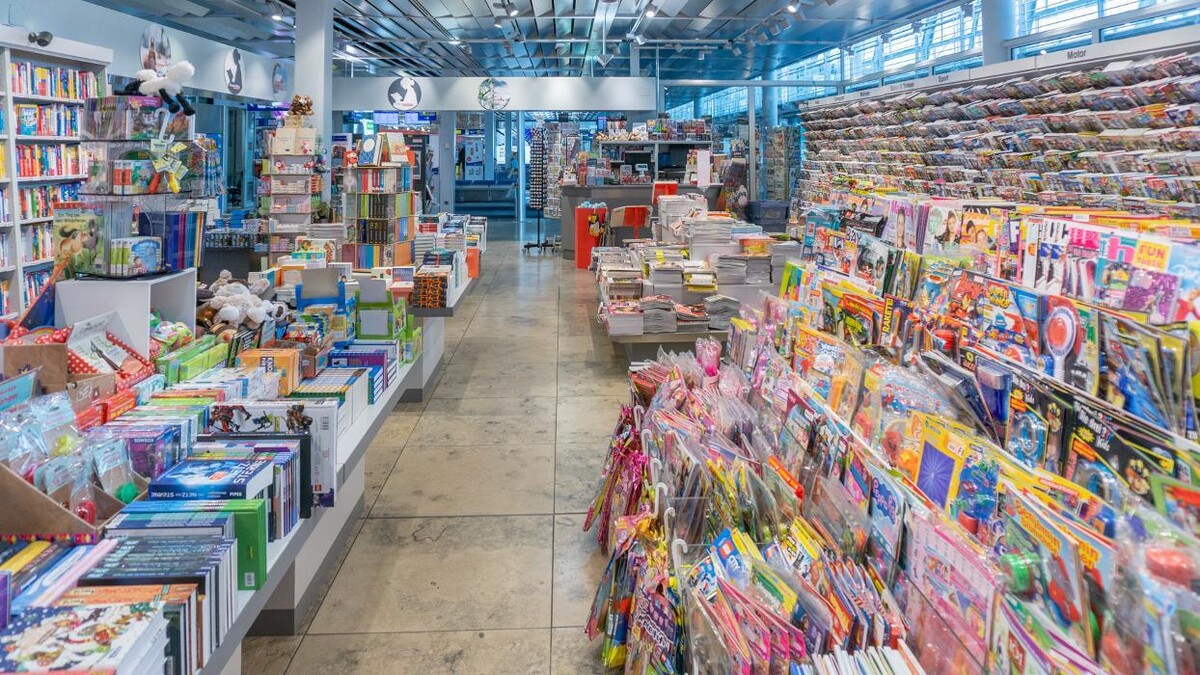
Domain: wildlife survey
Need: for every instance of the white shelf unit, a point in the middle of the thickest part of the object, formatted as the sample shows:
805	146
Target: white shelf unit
16	227
289	179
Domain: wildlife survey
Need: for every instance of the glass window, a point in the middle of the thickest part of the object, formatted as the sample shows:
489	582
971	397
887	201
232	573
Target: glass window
962	64
1128	29
950	31
945	33
682	112
725	103
1039	16
823	67
1055	45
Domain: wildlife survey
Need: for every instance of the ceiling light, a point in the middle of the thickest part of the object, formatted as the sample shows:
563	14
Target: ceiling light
497	24
761	37
737	51
351	49
792	7
651	11
639	39
774	30
277	17
512	9
455	41
701	55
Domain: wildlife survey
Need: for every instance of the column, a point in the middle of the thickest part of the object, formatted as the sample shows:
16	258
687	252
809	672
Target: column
520	122
696	113
999	19
635	60
752	145
447	159
770	102
489	145
314	75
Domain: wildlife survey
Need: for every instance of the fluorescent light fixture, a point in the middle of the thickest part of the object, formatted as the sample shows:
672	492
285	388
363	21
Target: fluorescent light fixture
651	11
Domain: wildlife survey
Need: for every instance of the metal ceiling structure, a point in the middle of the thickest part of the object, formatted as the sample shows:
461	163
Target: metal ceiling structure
708	39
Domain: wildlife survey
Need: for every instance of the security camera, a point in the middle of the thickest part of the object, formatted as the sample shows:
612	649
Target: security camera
41	39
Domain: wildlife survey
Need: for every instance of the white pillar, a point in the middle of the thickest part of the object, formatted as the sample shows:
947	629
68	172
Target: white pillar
447	159
314	58
752	149
635	60
489	145
520	122
999	19
770	103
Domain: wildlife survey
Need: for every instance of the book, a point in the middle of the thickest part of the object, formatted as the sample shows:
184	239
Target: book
180	609
96	638
220	479
249	526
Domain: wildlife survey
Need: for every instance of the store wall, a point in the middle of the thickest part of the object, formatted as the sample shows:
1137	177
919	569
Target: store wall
479	93
261	77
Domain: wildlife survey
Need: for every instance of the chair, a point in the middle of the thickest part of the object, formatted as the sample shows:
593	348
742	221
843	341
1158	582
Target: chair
626	217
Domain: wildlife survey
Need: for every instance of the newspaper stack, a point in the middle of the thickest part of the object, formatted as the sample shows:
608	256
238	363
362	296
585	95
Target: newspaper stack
781	253
691	318
731	269
758	269
658	314
624	318
668	272
720	310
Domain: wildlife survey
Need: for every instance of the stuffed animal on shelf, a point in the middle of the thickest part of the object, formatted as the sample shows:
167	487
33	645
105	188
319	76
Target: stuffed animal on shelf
168	87
235	304
302	106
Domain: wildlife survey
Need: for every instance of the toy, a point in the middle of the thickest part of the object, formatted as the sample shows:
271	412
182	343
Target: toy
168	87
235	304
302	106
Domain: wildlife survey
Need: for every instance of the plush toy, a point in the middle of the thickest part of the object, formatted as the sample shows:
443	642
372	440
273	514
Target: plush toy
168	87
302	106
234	304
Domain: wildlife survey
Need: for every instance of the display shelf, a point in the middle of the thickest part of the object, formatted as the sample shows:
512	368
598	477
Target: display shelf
173	295
667	338
452	299
34	221
34	98
50	179
283	554
39	261
46	139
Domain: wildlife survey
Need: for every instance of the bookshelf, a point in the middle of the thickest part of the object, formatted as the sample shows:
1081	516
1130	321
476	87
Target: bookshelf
381	211
44	91
286	183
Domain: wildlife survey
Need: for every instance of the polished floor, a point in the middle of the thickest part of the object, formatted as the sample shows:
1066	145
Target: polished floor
471	557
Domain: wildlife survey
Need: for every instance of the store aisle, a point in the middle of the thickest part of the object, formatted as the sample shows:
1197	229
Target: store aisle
471	557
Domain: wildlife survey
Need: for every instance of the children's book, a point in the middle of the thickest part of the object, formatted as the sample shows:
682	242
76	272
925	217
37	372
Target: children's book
213	479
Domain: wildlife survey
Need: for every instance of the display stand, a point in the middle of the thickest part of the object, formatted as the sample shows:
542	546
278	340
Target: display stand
381	212
287	182
539	186
173	295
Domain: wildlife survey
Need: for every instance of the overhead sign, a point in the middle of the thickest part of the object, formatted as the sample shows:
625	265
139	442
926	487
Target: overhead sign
488	93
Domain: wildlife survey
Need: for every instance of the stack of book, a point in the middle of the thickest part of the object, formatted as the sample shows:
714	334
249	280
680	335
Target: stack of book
658	314
624	317
423	243
721	309
207	562
431	285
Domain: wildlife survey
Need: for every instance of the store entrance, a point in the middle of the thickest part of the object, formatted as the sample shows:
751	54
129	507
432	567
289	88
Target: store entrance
485	169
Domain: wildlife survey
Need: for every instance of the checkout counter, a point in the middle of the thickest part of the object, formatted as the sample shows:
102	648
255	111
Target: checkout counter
614	196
